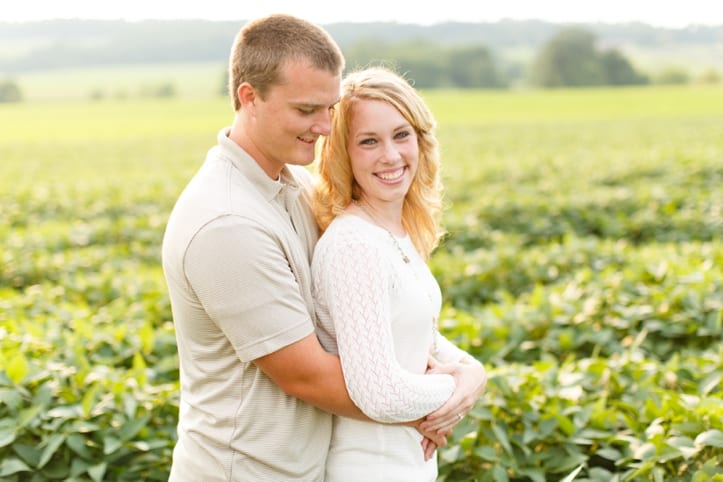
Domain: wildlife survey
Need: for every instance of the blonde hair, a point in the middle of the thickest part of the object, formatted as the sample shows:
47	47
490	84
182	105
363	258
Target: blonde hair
263	46
422	208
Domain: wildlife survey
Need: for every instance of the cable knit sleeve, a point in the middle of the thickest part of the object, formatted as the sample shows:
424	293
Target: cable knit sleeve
353	284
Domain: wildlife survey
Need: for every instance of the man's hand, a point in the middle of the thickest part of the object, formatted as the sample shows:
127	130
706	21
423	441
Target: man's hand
428	447
431	440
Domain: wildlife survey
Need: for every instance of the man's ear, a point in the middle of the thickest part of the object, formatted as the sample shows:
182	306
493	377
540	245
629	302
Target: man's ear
246	94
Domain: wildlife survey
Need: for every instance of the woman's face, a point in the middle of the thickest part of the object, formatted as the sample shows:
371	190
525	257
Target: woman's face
383	150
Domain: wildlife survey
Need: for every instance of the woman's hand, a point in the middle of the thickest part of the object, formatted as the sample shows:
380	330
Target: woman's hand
470	378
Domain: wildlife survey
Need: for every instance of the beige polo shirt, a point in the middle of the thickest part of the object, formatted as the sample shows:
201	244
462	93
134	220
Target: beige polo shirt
236	256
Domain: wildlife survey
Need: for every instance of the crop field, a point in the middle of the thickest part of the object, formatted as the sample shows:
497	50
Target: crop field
583	266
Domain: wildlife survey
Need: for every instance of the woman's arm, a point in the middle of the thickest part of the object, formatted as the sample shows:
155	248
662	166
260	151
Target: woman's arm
353	283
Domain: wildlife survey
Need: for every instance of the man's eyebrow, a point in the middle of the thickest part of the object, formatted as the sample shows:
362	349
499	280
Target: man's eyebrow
306	105
314	105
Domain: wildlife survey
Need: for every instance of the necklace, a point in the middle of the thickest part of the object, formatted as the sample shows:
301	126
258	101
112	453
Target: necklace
406	260
391	235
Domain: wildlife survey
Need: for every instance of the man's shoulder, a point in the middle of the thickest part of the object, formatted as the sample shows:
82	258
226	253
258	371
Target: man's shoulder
302	176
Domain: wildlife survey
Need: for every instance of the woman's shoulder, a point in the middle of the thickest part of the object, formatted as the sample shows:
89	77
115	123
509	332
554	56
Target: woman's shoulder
348	231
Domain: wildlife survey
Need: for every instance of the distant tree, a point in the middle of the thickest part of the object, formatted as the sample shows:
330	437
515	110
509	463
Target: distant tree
568	59
672	76
710	76
369	52
429	65
423	73
571	59
473	67
97	94
164	89
10	91
618	70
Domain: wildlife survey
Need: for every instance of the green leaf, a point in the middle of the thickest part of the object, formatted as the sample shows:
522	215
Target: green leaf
499	474
28	415
51	445
131	428
571	476
609	454
8	430
565	424
77	444
11	398
30	455
148	338
56	469
502	438
11	466
710	382
98	471
130	405
487	453
685	445
534	473
451	454
110	445
710	438
65	411
77	467
17	368
89	399
644	451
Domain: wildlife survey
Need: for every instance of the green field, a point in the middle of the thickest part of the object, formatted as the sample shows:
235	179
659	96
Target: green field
583	266
190	81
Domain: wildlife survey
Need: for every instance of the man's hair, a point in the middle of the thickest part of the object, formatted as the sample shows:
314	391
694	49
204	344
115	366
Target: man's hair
421	212
263	46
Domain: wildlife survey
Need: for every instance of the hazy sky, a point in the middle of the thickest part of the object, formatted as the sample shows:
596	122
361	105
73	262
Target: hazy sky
654	12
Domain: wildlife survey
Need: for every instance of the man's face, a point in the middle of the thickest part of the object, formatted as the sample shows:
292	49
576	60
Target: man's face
293	114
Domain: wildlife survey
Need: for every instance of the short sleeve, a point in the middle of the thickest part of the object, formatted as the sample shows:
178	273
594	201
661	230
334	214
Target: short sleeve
242	278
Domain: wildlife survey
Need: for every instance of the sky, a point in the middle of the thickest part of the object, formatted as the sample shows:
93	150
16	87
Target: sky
659	13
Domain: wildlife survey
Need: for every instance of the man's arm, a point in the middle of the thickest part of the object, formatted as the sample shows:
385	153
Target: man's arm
305	371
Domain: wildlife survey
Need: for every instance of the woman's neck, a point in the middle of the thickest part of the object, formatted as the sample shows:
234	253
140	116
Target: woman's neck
385	215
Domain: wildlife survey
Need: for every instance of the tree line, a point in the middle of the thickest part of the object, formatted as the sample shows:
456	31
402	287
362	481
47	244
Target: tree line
570	58
561	57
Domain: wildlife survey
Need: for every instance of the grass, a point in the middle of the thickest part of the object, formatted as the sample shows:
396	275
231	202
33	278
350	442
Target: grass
582	266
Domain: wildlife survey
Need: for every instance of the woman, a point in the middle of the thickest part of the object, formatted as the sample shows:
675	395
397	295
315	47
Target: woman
378	204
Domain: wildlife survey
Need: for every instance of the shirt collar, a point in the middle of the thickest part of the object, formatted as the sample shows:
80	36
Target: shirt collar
248	166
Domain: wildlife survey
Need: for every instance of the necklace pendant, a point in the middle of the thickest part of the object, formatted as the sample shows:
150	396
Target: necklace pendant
405	258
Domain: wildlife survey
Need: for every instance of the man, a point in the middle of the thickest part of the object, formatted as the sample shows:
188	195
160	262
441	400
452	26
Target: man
257	389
